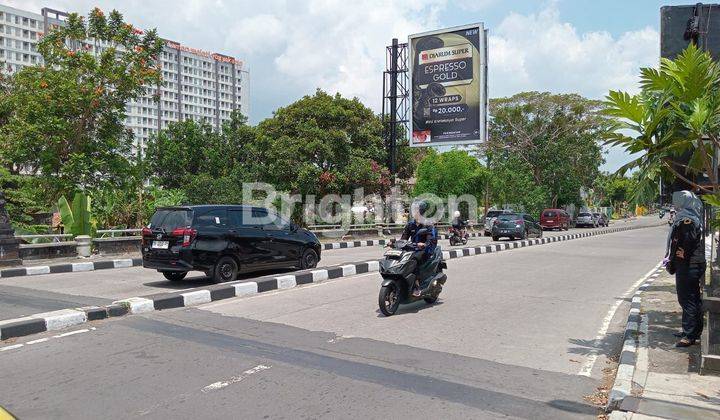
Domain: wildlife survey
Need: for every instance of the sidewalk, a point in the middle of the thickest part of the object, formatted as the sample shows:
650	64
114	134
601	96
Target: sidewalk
666	383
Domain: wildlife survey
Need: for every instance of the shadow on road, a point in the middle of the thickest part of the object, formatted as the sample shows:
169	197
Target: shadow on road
199	280
411	308
609	346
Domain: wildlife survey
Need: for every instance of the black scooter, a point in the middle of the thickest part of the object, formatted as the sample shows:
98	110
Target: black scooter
398	270
457	236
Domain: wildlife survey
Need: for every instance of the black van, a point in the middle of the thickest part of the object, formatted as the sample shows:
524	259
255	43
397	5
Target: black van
224	240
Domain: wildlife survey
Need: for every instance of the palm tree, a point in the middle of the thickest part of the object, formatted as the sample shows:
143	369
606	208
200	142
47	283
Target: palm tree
676	113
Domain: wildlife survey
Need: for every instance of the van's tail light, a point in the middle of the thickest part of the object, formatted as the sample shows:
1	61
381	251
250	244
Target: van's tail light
187	234
146	231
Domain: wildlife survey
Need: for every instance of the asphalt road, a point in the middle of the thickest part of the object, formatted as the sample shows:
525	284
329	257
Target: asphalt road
508	338
23	296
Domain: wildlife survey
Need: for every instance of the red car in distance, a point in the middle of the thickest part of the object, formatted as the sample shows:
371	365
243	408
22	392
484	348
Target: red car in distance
555	219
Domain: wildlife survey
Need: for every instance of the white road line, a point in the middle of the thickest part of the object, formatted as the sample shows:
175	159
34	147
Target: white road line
587	367
42	340
71	333
222	384
14	346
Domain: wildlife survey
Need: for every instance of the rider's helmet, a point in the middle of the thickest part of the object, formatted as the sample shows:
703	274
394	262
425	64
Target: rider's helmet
456	214
420	207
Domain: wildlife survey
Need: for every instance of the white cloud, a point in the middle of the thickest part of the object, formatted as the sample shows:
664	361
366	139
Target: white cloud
540	52
475	5
334	45
254	34
293	47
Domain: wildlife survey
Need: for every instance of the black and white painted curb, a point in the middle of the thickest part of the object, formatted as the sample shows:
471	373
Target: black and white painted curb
64	318
373	242
70	267
634	338
136	262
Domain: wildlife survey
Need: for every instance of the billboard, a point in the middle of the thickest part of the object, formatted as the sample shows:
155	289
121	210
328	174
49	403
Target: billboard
448	82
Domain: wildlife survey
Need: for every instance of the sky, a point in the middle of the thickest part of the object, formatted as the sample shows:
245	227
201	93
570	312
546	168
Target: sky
293	47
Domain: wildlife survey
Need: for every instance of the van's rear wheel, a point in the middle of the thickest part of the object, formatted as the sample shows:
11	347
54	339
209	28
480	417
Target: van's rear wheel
174	275
309	259
226	269
389	300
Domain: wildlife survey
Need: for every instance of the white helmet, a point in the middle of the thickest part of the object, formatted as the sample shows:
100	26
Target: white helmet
456	214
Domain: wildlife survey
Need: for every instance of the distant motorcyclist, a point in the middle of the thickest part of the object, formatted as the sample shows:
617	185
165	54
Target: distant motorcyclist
425	241
457	223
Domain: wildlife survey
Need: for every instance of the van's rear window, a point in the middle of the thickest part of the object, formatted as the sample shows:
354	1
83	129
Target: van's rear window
549	214
169	219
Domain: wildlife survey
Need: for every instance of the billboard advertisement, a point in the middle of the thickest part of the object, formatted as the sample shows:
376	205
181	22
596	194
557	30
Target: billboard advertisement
448	80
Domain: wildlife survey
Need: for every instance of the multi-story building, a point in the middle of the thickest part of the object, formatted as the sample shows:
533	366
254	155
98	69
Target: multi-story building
197	84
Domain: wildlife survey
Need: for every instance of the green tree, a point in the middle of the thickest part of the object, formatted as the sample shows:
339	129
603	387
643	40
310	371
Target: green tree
450	173
66	120
209	167
553	138
675	116
512	183
322	144
179	152
611	189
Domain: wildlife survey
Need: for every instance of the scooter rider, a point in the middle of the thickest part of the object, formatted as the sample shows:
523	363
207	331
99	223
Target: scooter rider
457	223
425	241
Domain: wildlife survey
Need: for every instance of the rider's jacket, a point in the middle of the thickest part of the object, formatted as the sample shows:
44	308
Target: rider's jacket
410	233
458	223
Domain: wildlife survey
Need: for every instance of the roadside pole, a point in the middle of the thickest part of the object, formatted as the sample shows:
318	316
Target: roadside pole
394	109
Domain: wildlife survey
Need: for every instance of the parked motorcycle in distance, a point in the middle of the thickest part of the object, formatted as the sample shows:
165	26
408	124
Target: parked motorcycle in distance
398	270
458	236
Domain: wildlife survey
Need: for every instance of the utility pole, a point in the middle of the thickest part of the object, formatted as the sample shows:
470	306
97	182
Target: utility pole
395	105
393	108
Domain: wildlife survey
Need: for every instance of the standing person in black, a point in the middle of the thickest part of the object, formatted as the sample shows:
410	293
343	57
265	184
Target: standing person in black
686	255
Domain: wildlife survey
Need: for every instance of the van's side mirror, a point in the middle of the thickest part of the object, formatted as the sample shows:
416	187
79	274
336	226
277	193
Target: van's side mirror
293	227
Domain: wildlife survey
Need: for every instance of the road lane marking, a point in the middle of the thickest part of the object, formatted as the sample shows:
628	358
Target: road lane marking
222	384
45	339
14	346
67	334
587	367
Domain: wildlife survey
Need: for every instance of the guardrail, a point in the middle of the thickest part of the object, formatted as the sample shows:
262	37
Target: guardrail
114	233
51	237
365	226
